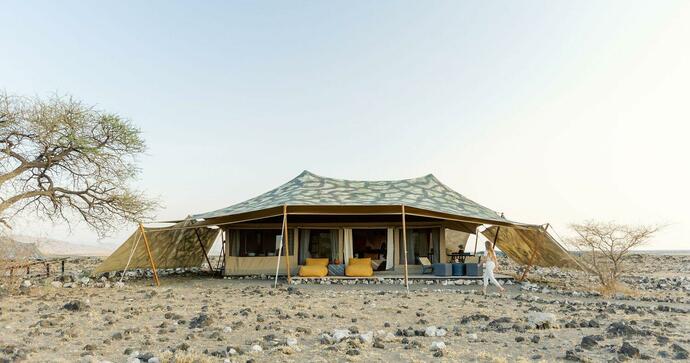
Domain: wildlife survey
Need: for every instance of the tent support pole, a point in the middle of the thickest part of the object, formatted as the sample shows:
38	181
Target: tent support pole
203	249
280	253
221	256
404	233
476	240
286	238
148	251
493	245
528	267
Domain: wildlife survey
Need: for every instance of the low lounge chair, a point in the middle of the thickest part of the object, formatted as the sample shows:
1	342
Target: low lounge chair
359	267
314	267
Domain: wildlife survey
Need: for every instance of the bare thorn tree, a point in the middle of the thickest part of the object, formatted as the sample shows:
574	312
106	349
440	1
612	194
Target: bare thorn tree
605	247
60	158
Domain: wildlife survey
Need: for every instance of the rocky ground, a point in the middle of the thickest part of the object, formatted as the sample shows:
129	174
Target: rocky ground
192	317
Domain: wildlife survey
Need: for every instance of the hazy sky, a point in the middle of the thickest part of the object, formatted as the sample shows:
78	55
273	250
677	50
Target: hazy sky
548	111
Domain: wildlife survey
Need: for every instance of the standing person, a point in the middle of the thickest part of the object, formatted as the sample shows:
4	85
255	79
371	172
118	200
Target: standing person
489	266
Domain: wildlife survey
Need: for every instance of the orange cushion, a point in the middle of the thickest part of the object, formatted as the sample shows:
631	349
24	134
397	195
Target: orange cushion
360	261
316	262
313	271
358	270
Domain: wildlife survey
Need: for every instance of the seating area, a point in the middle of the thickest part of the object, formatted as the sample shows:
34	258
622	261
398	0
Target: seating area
359	267
319	267
314	267
364	268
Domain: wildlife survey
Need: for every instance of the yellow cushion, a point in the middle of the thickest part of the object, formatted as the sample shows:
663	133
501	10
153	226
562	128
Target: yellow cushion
358	270
313	271
317	262
360	261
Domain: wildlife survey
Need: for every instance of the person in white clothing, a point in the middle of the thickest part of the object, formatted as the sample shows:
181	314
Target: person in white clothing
489	266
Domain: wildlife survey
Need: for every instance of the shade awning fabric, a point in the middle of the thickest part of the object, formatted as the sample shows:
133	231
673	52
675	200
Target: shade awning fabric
171	247
531	246
309	193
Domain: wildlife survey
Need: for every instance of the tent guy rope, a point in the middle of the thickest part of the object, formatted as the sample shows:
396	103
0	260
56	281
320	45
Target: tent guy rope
129	260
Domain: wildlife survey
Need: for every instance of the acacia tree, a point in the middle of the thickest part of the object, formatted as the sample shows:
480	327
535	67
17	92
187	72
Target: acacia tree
60	158
605	247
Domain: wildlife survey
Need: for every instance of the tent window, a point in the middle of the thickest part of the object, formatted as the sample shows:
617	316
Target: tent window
421	242
260	242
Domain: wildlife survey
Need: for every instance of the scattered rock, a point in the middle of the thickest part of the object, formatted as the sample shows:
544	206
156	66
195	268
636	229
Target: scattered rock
679	352
75	305
540	320
590	341
438	346
571	356
433	331
627	350
352	352
366	337
340	334
620	329
200	321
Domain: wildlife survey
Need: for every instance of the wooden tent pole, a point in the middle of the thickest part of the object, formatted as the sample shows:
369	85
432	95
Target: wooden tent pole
404	231
493	246
476	240
148	251
528	267
286	238
203	249
280	252
221	257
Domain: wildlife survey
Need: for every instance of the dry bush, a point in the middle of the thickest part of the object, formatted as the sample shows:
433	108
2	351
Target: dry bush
184	357
605	248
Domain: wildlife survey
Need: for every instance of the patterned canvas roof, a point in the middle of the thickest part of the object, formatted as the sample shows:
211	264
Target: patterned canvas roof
309	189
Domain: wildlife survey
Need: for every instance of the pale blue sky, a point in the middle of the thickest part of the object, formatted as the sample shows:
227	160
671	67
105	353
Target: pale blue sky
550	111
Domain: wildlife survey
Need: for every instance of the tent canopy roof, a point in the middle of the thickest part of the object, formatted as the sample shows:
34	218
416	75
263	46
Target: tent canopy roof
308	189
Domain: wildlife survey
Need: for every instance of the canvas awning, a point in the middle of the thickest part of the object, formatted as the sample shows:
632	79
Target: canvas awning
533	246
171	247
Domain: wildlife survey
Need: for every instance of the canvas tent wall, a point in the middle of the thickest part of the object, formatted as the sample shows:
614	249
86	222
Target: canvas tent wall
171	247
533	246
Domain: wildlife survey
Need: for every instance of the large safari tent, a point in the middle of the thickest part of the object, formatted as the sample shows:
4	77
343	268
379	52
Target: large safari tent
392	222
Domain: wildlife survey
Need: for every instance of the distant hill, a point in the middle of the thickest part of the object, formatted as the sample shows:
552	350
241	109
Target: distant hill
13	250
53	247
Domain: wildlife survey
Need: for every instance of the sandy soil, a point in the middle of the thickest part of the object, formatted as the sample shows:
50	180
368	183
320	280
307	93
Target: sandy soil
198	318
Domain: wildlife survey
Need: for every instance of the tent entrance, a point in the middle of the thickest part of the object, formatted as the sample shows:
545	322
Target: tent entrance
371	243
318	243
422	242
